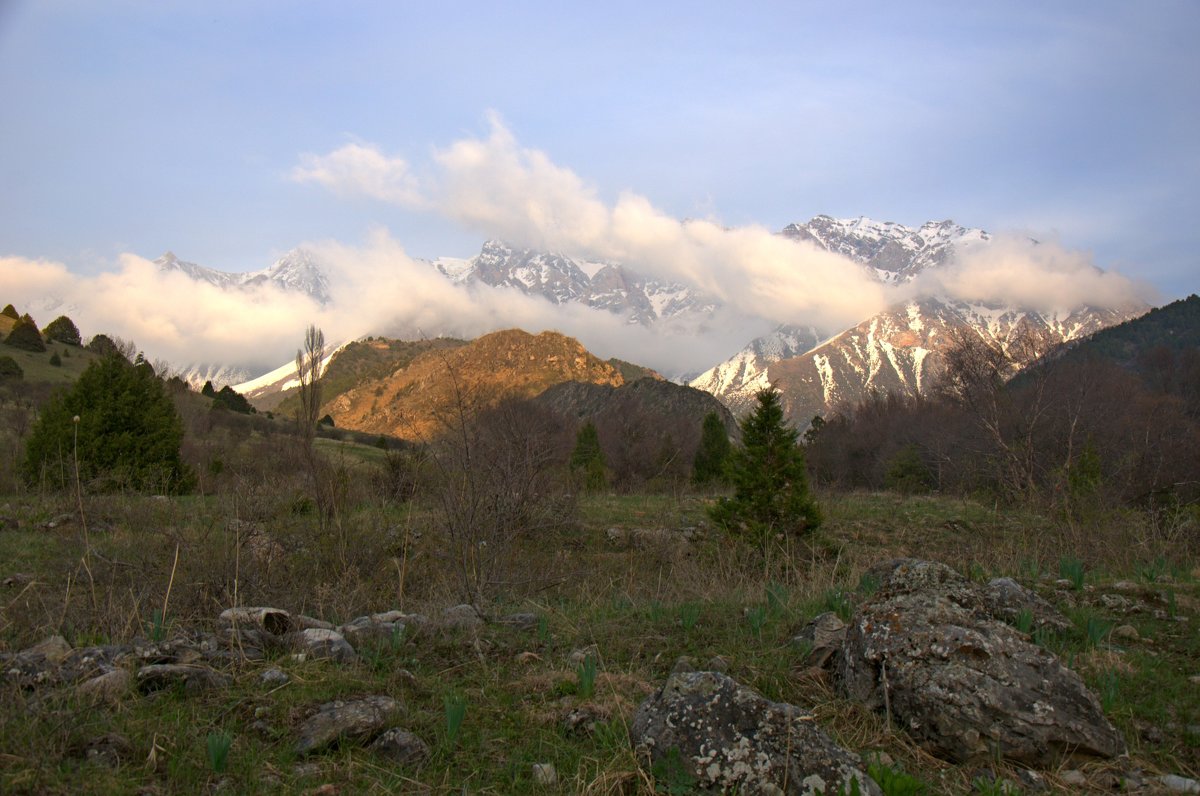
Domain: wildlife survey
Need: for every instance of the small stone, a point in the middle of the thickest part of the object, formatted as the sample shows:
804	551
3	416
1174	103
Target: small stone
1125	633
879	758
521	621
528	658
1126	586
54	649
1073	776
325	644
578	656
1194	679
401	746
274	677
1115	602
158	676
461	616
109	749
110	686
1178	784
1063	583
275	621
545	774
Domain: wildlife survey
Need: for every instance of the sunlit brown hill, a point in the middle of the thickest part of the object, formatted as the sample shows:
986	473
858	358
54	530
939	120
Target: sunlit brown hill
415	402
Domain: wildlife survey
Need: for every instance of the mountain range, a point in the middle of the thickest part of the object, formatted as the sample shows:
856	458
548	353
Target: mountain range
815	368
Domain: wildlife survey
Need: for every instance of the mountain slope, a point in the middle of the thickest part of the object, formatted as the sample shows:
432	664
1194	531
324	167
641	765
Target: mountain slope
900	350
897	349
416	402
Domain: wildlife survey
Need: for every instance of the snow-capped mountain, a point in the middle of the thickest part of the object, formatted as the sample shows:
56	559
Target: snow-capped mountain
900	350
891	252
736	380
297	272
561	279
896	350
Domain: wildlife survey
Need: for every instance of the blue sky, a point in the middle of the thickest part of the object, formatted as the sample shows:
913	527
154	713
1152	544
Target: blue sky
145	126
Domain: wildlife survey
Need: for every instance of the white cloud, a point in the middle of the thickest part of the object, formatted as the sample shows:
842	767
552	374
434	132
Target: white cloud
1040	276
357	169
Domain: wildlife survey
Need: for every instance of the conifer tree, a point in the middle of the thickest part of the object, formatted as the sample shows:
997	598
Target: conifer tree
588	459
25	335
709	465
11	312
769	477
120	426
63	330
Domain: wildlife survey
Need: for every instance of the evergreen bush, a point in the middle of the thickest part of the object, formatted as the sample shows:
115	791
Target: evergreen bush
9	368
25	335
63	330
587	459
769	477
713	454
119	424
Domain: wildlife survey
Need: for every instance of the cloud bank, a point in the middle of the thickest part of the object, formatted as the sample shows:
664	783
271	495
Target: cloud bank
499	189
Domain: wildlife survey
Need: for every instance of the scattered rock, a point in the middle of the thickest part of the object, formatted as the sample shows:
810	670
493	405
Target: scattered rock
545	774
583	719
578	656
192	677
401	746
110	749
1178	784
274	677
1073	777
357	720
323	644
926	650
722	736
528	657
1126	586
303	622
1006	600
521	621
53	649
109	687
1127	633
275	621
367	630
1118	603
18	579
822	637
462	616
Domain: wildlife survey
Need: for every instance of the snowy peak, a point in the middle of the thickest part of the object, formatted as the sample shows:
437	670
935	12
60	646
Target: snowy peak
562	279
298	271
892	252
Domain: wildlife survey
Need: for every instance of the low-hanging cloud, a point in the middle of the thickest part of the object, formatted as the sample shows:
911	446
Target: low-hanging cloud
1042	276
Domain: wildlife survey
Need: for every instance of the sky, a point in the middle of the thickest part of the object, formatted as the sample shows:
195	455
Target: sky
676	136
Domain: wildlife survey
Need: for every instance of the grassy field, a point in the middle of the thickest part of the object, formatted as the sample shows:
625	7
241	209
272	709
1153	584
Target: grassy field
618	576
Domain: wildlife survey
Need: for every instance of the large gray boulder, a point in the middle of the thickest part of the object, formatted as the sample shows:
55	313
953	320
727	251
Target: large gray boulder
353	720
926	649
723	737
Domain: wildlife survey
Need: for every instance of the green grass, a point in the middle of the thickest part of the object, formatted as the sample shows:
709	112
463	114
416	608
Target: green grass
36	365
493	703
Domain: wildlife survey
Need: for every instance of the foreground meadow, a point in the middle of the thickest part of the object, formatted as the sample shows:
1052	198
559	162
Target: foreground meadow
583	622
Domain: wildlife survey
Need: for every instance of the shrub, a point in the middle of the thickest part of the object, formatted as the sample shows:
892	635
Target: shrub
587	459
769	477
10	311
127	432
9	368
709	465
103	345
63	330
56	360
25	335
907	472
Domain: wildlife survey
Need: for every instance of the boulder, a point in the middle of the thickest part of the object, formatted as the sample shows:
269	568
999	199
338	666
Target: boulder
107	687
275	621
158	676
705	730
926	650
358	720
323	644
1006	600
